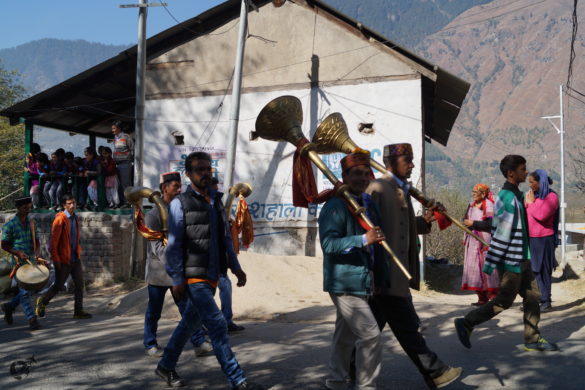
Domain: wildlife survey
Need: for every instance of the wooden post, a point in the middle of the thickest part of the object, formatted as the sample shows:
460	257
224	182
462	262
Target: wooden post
28	141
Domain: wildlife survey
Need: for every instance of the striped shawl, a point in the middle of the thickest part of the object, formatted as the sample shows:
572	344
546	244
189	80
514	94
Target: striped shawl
509	246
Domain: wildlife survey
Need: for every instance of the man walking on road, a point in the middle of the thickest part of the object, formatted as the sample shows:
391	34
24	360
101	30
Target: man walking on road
199	250
509	254
19	238
348	263
65	253
159	281
394	305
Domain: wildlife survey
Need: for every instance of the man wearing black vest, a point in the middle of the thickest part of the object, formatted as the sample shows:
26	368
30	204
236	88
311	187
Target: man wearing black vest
199	250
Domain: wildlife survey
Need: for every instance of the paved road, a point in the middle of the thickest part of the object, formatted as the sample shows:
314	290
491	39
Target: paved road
290	352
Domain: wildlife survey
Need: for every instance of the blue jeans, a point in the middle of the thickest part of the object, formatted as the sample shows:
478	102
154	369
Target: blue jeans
23	299
225	296
156	299
201	308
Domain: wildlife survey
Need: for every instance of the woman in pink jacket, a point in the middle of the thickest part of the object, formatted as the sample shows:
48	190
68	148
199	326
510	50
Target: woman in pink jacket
542	210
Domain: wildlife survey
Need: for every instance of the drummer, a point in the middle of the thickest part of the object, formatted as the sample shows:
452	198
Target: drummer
19	238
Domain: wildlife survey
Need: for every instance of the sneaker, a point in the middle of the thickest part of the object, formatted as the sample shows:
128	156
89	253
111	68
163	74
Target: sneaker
541	345
170	376
81	315
337	384
7	313
34	324
545	307
463	332
450	375
40	309
232	327
205	349
245	385
155	351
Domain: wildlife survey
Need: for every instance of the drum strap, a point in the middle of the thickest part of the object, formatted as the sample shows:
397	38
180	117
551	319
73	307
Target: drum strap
34	238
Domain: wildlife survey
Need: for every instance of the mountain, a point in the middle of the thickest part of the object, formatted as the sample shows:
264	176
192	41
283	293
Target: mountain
515	54
46	62
404	22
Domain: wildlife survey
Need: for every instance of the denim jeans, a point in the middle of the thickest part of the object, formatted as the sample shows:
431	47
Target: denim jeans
225	296
201	308
156	299
23	299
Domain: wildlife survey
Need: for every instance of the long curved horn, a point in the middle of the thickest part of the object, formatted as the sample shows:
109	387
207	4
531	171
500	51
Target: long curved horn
134	196
332	136
244	189
281	120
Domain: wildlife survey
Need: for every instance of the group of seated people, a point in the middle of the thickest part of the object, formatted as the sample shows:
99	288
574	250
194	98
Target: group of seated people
84	177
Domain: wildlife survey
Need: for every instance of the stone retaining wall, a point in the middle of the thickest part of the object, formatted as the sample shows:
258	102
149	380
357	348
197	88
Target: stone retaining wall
106	241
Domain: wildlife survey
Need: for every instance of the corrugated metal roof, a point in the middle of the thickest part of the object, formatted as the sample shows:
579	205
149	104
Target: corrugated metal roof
88	102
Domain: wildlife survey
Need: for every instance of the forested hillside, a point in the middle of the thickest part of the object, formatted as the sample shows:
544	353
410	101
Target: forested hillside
46	62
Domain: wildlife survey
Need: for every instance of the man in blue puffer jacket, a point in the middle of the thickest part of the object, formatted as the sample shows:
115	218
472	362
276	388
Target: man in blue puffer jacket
348	262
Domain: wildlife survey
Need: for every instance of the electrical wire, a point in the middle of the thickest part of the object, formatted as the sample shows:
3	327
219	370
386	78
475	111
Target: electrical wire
493	17
575	27
199	34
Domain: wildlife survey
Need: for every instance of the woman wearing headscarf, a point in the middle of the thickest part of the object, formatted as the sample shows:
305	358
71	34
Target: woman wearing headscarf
478	218
542	211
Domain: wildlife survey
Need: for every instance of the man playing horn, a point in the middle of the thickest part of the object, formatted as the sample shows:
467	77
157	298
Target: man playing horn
200	249
394	305
65	253
348	261
17	239
159	281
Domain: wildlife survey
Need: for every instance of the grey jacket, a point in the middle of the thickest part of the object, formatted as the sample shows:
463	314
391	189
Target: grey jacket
155	272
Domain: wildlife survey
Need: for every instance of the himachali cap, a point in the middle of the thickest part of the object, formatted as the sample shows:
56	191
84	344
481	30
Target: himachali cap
404	149
170	176
355	159
22	201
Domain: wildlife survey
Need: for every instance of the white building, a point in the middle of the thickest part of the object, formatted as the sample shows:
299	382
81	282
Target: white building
305	49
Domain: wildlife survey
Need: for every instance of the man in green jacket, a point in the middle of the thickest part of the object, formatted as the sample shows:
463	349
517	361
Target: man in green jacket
348	260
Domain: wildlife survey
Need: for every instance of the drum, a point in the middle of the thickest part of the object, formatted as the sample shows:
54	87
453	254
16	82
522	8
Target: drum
31	277
5	266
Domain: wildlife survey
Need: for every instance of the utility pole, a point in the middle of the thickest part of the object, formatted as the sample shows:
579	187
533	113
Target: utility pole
236	95
236	91
563	204
137	242
140	89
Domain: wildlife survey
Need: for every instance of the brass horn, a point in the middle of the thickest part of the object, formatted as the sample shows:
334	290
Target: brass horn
134	196
281	120
332	136
244	189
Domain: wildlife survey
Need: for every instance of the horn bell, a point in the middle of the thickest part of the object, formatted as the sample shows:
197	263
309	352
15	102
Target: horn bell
332	136
280	120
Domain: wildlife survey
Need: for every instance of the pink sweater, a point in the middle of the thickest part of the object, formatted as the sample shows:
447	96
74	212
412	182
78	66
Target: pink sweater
541	215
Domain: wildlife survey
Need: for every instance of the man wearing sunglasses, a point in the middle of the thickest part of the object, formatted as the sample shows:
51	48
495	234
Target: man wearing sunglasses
199	250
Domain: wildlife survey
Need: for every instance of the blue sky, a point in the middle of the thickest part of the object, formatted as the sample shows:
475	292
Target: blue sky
92	20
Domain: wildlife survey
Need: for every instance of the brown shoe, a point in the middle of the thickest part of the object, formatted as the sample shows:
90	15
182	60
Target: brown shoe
450	375
81	315
34	324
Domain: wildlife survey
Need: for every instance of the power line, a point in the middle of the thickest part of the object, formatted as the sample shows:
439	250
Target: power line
237	21
575	25
493	17
487	9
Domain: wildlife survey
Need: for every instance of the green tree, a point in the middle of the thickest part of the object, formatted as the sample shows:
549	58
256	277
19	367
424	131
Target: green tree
11	140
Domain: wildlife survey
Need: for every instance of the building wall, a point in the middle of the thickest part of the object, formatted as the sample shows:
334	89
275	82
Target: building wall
295	44
394	108
105	240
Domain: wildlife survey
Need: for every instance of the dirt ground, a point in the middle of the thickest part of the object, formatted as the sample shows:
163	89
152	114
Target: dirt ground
289	322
